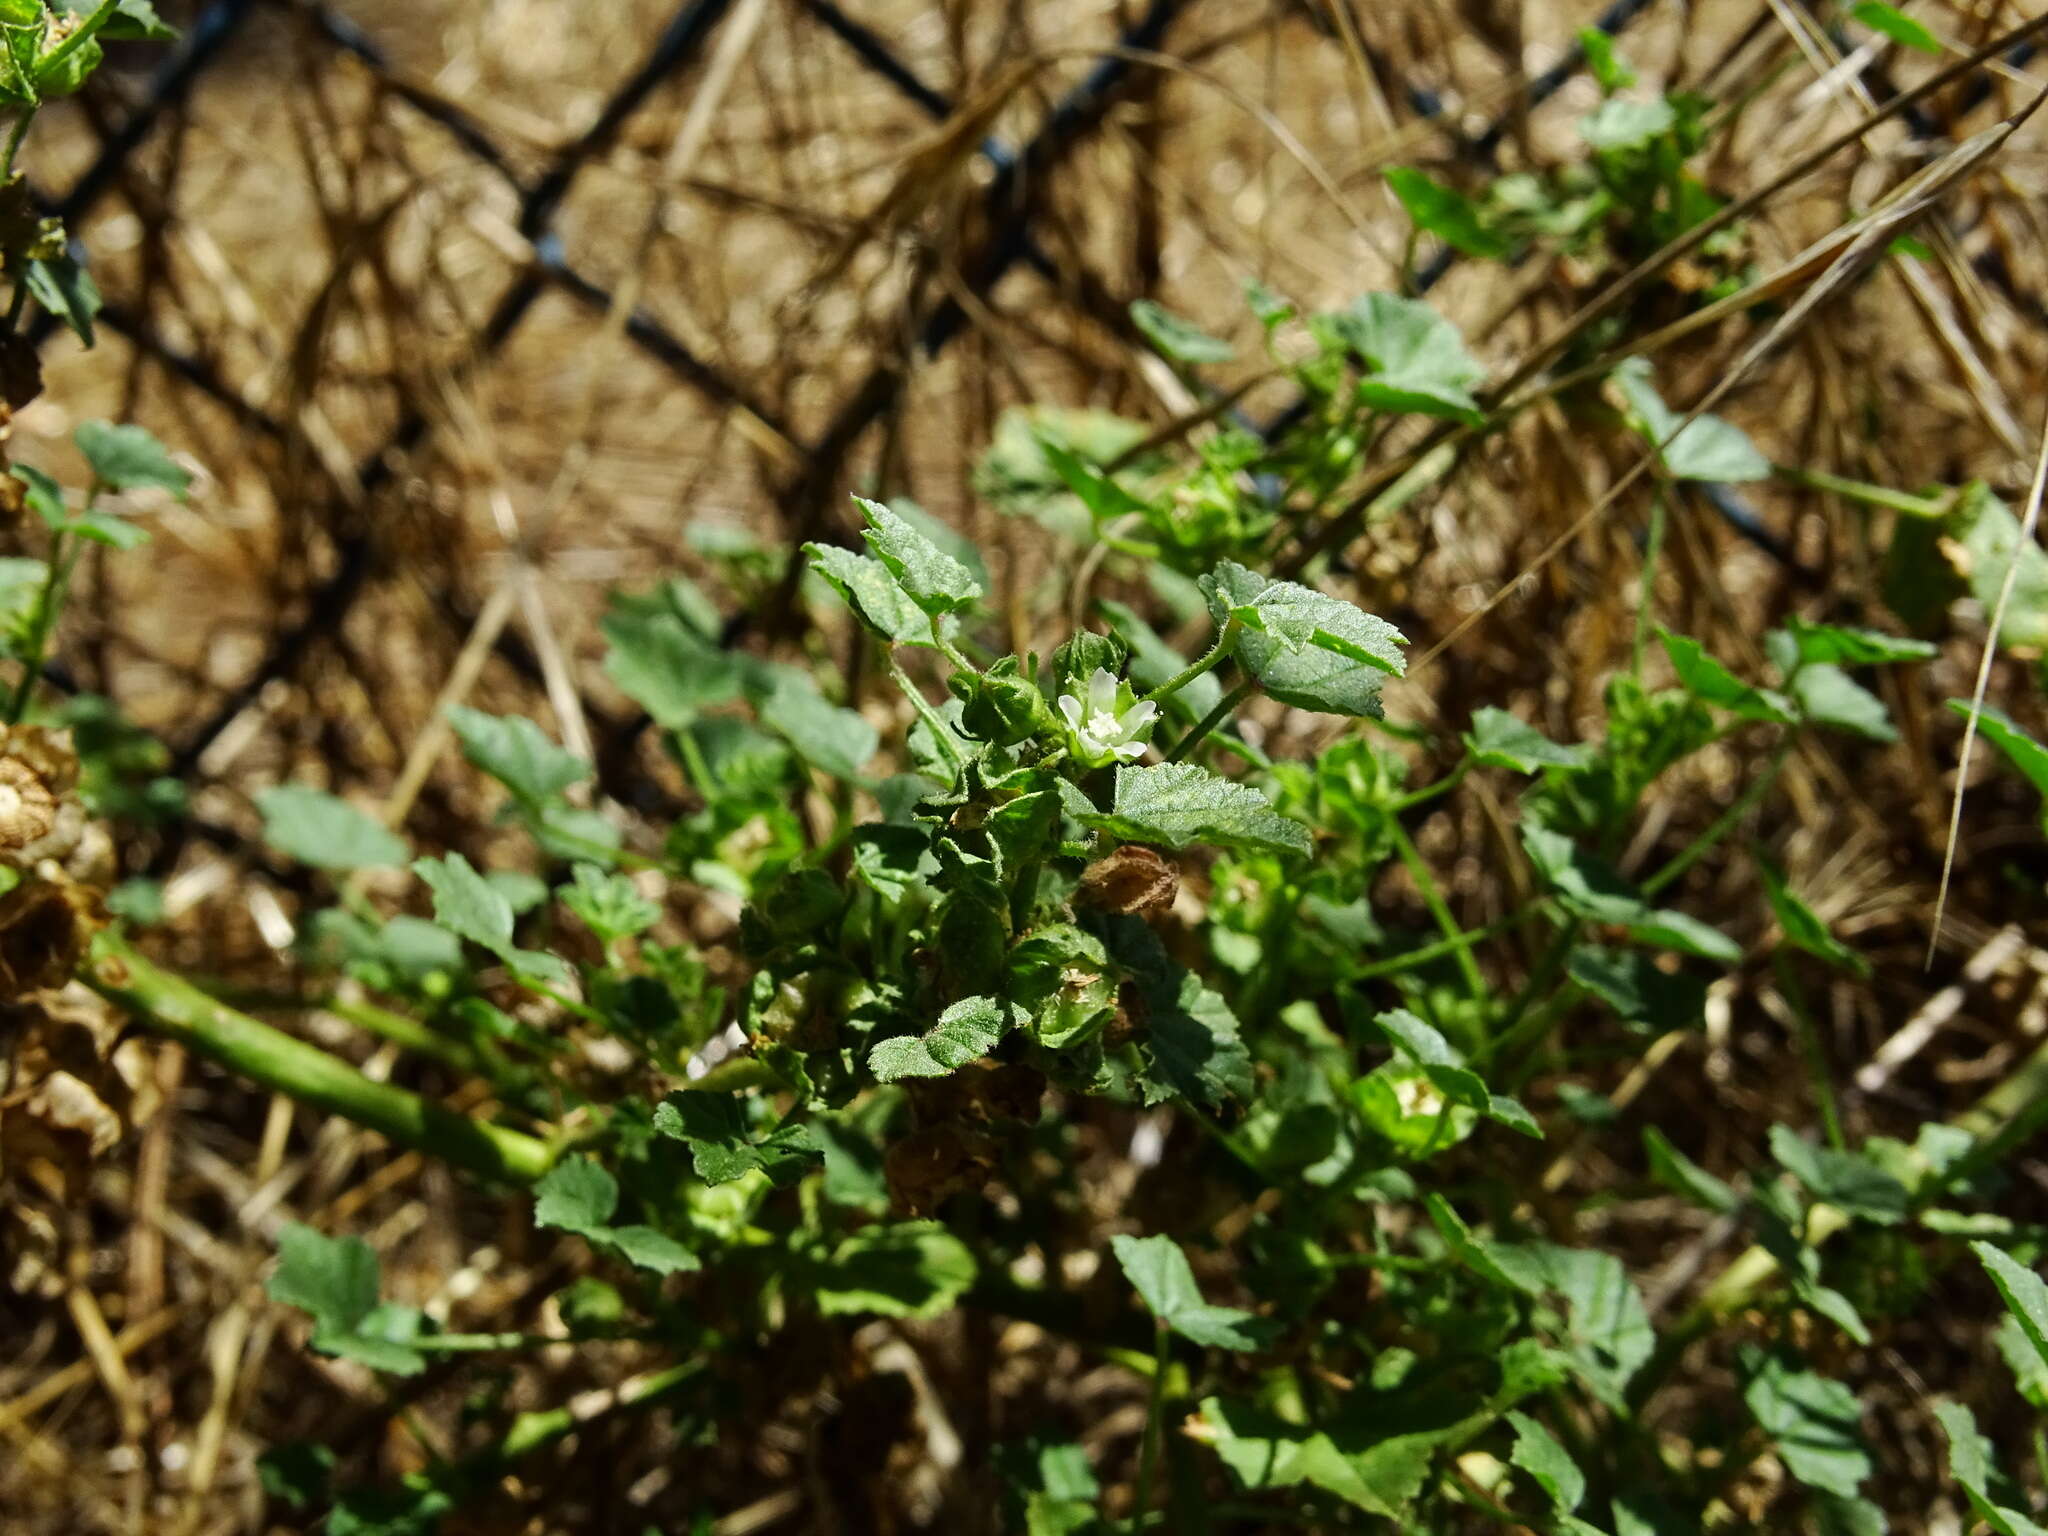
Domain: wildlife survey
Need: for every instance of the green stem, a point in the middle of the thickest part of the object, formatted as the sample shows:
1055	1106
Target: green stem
406	1033
1928	507
1208	723
1809	1044
63	555
1148	1453
1226	642
1429	792
1646	599
1440	909
14	138
1466	939
77	40
173	1008
476	1343
942	735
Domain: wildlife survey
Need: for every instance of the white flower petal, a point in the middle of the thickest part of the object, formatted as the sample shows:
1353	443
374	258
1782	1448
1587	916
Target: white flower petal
1071	708
1102	693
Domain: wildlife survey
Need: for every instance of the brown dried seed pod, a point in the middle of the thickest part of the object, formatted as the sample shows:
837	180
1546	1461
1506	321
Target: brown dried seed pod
70	1088
1132	880
40	814
21	371
1133	1016
44	928
927	1166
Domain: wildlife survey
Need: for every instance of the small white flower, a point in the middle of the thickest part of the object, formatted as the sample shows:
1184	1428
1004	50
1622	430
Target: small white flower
1101	732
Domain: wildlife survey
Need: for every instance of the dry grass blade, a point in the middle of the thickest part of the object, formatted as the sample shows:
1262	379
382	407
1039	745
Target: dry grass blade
2029	524
1871	234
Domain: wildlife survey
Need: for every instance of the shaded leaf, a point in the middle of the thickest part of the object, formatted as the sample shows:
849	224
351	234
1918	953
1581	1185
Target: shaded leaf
1176	339
1499	739
1446	213
324	832
1159	1271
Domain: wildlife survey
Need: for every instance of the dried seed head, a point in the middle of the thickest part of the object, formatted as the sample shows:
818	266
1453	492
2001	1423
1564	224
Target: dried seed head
941	1160
70	1088
1132	880
44	928
40	814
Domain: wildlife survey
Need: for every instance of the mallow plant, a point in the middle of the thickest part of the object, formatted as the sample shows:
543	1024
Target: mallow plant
935	925
1014	900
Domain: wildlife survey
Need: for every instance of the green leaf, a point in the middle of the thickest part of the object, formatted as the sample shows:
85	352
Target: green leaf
1665	929
577	1195
297	1473
334	1280
1159	1271
1828	696
1500	740
666	667
713	1126
2028	1366
645	1248
839	741
108	528
1849	1181
1176	339
610	905
876	598
127	458
1621	124
1191	1037
580	1195
1606	64
1896	25
936	582
1305	648
1265	1453
1175	804
517	753
1537	1452
1802	926
326	833
1680	1174
414	1509
965	1032
1095	489
1983	535
1446	1070
1609	1335
2024	1293
1417	359
1844	645
65	289
1814	1423
22	585
899	1269
1590	888
1969	1461
1707	448
1640	991
1446	213
467	904
2003	732
1707	680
